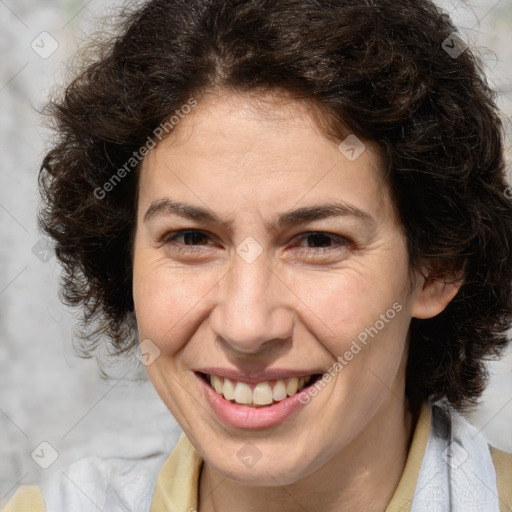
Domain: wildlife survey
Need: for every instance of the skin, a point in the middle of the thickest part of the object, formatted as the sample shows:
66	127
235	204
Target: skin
299	305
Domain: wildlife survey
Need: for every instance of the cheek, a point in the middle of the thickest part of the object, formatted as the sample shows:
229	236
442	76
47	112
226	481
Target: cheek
346	303
363	314
168	301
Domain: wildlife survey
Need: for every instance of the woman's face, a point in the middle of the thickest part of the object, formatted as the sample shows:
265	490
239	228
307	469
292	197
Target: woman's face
292	260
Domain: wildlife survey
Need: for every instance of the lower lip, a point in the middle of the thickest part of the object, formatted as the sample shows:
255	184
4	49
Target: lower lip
240	416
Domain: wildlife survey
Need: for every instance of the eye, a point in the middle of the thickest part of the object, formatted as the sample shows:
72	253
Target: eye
321	239
192	239
321	244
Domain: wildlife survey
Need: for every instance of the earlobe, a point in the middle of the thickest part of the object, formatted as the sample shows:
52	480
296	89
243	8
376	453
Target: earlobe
432	295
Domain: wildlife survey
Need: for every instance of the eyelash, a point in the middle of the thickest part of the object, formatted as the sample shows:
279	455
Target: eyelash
169	239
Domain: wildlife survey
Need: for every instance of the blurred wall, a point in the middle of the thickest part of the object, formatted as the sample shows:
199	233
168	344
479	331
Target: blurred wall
47	394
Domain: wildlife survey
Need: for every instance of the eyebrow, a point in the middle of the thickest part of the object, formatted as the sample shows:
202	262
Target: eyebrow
166	206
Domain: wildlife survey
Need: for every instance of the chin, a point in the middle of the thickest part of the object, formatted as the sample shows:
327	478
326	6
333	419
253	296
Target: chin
268	468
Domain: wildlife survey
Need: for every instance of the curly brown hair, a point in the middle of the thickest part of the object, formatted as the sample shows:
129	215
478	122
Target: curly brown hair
379	67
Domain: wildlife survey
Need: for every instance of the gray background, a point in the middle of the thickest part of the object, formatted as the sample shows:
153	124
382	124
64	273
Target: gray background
47	393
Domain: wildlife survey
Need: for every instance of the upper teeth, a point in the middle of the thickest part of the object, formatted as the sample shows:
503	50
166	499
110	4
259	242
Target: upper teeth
262	394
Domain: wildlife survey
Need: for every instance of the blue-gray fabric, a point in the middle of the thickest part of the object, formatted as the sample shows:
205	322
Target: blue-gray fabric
457	472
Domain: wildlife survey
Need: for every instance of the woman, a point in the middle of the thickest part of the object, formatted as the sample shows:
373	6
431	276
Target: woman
299	210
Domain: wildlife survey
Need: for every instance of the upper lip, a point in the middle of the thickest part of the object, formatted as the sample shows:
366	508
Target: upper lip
257	376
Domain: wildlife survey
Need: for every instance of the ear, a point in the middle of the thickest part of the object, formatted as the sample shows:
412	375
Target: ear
432	292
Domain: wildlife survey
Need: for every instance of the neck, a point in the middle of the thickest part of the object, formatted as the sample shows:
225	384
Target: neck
374	461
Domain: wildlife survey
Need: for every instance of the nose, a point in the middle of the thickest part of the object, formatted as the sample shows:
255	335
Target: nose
251	314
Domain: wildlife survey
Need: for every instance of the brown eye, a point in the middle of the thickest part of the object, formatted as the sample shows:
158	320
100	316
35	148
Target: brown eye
319	239
186	240
190	237
322	240
320	247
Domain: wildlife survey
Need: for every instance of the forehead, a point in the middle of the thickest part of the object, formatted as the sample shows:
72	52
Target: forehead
265	149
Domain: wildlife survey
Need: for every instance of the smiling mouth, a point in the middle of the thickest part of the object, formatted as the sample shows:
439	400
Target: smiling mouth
261	394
